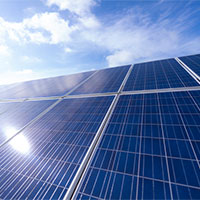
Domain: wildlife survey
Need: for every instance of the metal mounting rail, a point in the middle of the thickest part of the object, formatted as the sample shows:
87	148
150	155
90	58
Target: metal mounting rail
193	74
179	89
71	192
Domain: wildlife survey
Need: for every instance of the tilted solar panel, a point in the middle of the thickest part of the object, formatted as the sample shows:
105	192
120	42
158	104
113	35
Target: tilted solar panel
15	115
158	75
56	86
55	147
106	80
147	150
193	62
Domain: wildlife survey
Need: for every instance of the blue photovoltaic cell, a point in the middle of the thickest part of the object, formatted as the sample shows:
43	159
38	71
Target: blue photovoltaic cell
56	86
54	148
15	115
106	80
158	75
148	150
193	62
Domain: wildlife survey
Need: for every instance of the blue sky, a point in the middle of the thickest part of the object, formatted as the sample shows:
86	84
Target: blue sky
44	38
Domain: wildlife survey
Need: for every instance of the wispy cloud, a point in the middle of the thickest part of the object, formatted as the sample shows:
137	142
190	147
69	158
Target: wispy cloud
133	35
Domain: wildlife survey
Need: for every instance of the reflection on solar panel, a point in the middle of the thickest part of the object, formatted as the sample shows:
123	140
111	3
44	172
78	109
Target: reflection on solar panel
56	145
57	86
107	80
193	62
107	143
157	75
16	115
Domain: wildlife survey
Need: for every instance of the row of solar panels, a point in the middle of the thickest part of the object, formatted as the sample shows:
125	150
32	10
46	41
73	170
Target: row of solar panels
149	149
151	75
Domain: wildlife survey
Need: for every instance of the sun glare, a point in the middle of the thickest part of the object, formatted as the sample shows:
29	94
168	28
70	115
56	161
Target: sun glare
19	142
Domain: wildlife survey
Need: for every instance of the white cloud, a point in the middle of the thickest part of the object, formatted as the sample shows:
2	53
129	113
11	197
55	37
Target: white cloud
30	59
127	38
57	29
24	72
89	22
4	50
68	50
79	7
41	28
82	10
119	58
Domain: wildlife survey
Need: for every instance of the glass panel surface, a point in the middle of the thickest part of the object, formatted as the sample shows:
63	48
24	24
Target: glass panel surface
158	75
106	80
148	149
193	62
14	116
42	160
56	86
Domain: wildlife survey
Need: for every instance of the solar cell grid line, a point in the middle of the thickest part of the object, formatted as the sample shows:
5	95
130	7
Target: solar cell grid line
56	86
140	146
118	161
113	170
184	154
182	171
157	160
164	144
157	75
193	62
38	166
106	80
196	101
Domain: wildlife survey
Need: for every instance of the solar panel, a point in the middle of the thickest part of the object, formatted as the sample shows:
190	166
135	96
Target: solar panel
56	86
15	115
55	147
193	62
106	80
158	75
147	150
142	144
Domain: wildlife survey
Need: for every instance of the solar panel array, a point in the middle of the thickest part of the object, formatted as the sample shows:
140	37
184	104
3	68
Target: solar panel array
130	132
